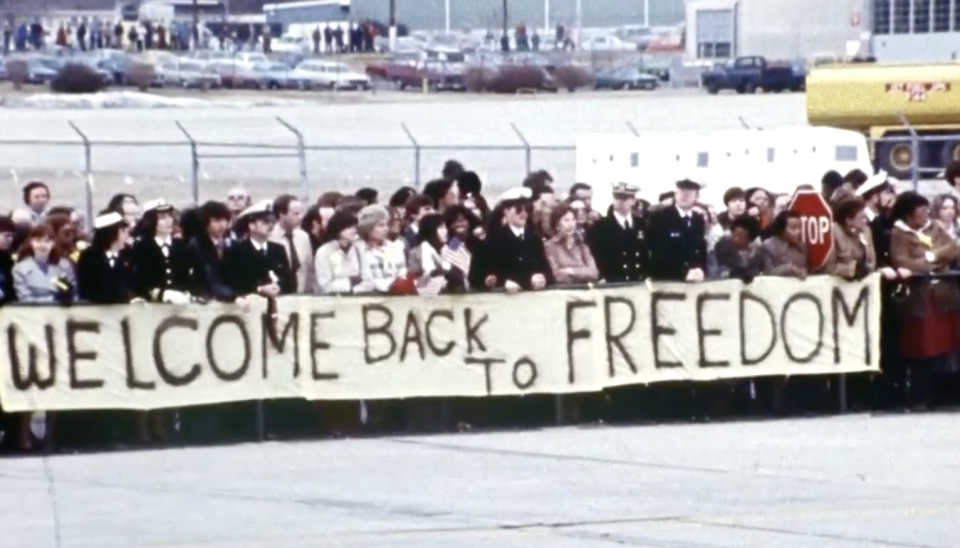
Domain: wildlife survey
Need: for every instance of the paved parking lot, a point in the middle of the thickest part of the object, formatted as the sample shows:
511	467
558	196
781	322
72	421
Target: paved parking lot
854	481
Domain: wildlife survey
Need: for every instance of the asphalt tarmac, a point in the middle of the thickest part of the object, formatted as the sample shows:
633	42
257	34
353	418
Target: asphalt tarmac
844	482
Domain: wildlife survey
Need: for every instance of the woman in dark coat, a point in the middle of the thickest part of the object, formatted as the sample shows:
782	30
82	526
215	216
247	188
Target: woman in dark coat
104	277
161	263
104	270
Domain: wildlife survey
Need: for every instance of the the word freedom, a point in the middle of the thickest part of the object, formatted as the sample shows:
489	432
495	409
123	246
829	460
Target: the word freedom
322	348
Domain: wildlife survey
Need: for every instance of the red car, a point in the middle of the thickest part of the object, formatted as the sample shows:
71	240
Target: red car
438	75
235	75
379	69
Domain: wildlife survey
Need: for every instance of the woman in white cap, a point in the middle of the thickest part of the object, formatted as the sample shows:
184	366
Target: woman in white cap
161	263
104	270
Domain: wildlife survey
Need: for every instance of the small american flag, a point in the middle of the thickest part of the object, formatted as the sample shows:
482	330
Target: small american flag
432	287
457	255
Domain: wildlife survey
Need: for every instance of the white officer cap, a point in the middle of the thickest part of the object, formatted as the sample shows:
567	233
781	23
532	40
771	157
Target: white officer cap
259	209
874	182
107	220
159	205
515	194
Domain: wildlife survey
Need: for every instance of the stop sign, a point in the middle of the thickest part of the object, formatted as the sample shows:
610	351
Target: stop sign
816	223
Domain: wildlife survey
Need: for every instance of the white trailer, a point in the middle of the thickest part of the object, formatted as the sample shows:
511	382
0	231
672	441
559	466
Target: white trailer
778	160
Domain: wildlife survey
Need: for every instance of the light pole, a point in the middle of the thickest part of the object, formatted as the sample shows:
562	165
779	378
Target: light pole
392	32
505	39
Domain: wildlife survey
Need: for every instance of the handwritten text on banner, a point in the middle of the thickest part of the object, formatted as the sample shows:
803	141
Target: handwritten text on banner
153	356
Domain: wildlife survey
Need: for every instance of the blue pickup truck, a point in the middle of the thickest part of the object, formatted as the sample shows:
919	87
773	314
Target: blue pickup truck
748	74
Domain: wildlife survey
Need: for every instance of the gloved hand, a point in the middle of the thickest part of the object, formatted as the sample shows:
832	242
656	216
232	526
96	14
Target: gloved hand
171	296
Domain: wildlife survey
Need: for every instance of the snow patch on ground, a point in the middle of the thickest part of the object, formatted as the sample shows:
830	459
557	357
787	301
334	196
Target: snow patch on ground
133	100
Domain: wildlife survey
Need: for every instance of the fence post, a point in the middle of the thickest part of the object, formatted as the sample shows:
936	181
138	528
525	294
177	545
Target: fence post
526	146
914	151
195	163
302	157
87	170
633	128
416	154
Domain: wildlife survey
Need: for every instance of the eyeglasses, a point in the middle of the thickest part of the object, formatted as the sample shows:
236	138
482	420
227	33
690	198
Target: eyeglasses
237	197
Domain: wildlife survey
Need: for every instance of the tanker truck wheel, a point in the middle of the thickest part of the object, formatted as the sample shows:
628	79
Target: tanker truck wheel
895	158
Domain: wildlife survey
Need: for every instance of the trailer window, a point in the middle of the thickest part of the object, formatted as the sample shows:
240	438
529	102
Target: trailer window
703	159
634	159
771	155
846	153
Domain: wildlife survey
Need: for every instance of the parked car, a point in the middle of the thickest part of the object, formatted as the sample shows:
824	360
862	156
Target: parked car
607	43
290	44
638	35
336	75
238	75
379	69
437	76
280	76
748	74
624	78
188	74
40	71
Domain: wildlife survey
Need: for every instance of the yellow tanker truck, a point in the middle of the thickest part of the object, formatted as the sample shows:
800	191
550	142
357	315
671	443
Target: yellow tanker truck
875	99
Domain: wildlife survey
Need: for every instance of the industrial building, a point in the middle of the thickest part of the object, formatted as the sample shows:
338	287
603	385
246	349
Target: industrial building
482	14
890	30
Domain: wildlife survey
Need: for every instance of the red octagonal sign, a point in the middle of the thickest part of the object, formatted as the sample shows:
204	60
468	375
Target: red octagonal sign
816	222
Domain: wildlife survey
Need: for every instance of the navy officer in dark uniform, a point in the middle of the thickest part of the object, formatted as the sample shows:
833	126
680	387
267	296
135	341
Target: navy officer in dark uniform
254	265
677	238
516	258
618	240
161	263
677	244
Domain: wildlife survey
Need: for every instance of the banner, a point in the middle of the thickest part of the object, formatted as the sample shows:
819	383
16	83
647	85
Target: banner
323	348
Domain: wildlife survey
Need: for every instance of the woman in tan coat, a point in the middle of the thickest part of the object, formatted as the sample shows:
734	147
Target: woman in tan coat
568	255
930	315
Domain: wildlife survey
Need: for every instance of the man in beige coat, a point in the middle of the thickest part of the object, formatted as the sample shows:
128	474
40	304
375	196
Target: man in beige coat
295	241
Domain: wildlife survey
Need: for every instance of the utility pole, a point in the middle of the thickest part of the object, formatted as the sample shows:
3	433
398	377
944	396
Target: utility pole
392	32
196	24
505	39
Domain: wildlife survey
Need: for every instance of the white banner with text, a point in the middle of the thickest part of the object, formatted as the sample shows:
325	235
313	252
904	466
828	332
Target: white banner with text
327	348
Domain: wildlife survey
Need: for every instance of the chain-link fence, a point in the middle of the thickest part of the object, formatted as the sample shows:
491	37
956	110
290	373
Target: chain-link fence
189	165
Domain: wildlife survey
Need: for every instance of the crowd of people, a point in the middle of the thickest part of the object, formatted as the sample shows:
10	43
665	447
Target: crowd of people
448	238
91	34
